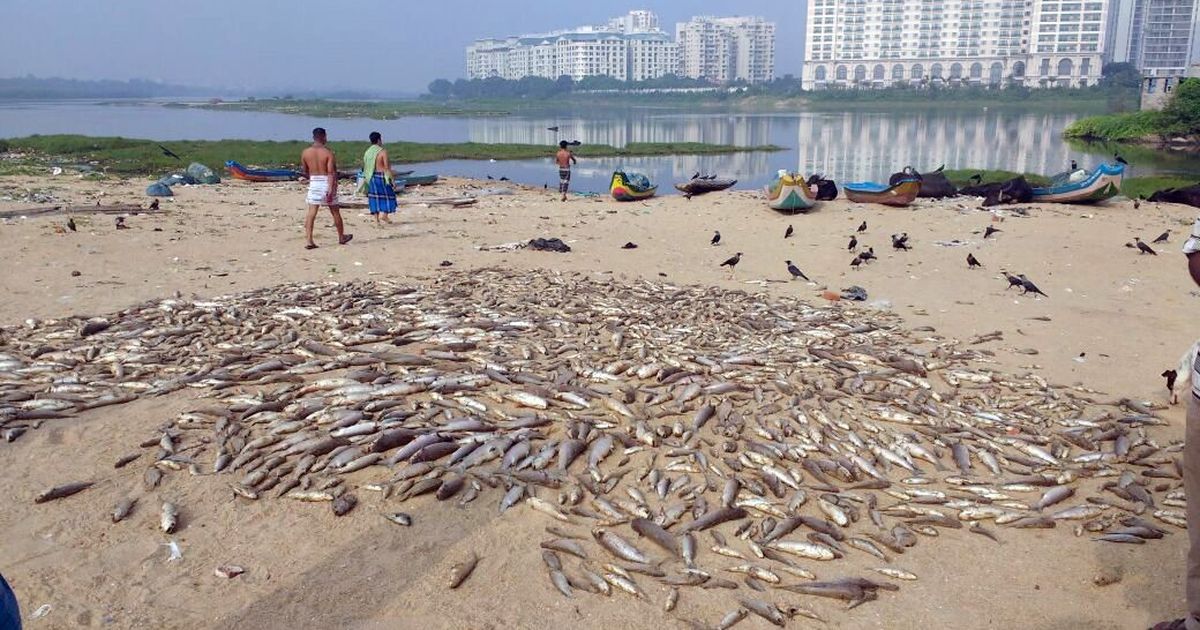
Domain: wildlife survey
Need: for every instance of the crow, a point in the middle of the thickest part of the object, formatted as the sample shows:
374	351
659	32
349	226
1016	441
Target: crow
167	152
1164	237
71	224
1144	248
788	233
853	243
696	175
990	231
858	260
868	255
1119	159
716	238
1013	281
1171	375
154	205
862	227
732	262
1074	165
1029	286
795	271
900	241
973	262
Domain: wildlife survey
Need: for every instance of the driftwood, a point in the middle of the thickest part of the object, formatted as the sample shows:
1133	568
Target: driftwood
53	210
416	201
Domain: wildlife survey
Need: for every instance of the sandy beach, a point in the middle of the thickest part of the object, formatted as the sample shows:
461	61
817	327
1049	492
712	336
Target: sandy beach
1112	322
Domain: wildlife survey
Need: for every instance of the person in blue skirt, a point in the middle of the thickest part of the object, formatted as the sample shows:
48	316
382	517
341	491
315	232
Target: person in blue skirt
377	181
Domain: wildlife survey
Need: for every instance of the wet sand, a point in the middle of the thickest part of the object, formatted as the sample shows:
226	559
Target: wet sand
1116	320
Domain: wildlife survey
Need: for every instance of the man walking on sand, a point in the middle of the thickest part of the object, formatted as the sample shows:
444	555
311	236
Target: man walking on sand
1191	461
377	181
564	158
320	168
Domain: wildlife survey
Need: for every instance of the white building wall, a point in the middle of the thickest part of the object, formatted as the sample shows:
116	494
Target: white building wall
727	49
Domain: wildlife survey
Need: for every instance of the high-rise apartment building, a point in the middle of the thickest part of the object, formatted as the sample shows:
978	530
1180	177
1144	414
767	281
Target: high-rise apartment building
727	49
1162	36
878	43
627	48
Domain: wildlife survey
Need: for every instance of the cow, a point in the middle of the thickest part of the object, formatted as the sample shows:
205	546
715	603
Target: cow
825	189
1015	190
933	185
1189	195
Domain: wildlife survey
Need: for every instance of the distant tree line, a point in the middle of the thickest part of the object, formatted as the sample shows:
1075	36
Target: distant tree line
1120	76
34	87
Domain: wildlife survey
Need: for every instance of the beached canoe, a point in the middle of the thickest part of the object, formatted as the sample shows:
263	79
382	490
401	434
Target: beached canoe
1101	184
237	171
790	193
901	193
419	180
631	187
697	186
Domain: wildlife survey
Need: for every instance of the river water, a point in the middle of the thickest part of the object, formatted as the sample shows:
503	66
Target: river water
847	146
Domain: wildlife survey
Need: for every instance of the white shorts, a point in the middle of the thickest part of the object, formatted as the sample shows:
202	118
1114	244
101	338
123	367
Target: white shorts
318	190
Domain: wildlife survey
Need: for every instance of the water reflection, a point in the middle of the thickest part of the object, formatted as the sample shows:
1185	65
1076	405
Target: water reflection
847	146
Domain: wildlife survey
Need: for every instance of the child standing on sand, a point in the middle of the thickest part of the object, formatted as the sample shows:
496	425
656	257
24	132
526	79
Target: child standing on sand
564	158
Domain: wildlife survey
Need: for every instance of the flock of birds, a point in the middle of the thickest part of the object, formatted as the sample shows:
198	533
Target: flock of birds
900	243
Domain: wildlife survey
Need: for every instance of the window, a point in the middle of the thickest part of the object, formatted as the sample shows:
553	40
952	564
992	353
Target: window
840	73
820	73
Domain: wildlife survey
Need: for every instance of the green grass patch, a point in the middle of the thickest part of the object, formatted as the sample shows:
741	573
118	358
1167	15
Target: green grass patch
1144	186
126	156
1116	127
961	177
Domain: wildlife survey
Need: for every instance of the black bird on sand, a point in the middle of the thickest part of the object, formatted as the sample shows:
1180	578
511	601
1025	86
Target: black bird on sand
900	241
503	179
1119	159
1013	281
858	260
732	262
1164	237
990	231
795	271
1137	202
154	205
490	177
1144	248
121	224
1029	286
868	255
716	238
167	152
629	245
71	223
853	243
1171	375
862	227
972	261
789	232
1074	165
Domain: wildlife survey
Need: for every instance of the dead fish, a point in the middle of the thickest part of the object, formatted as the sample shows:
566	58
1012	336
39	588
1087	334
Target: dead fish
228	571
169	519
343	504
618	546
65	490
399	518
122	509
460	571
766	610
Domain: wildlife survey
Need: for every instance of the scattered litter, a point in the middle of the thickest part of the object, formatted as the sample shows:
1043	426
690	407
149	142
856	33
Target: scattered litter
856	293
228	571
549	245
42	611
176	552
953	243
503	247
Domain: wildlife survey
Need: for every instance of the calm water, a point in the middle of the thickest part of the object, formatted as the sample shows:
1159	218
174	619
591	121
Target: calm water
847	146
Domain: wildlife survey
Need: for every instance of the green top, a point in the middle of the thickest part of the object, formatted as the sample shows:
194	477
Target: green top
369	159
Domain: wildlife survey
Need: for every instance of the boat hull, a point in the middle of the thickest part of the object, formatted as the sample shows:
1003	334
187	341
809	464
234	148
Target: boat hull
237	171
790	194
1102	184
701	186
621	190
899	195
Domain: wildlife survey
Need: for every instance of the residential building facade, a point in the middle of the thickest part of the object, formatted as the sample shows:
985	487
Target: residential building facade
1162	39
726	49
627	48
879	43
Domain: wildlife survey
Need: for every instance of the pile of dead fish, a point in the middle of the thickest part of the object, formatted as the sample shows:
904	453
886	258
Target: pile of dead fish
674	437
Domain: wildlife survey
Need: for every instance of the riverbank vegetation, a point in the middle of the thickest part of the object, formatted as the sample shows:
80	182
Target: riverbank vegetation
1179	120
127	156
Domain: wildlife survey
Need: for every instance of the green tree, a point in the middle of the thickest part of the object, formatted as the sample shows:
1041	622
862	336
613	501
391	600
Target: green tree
1120	75
441	88
1181	116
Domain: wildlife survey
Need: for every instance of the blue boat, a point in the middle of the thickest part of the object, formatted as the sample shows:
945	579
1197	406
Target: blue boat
1098	185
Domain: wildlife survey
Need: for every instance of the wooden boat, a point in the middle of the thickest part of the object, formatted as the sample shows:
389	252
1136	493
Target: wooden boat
261	174
790	193
418	180
1101	184
698	186
900	194
623	190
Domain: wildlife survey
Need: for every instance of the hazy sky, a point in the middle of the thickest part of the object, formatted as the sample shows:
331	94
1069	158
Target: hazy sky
384	45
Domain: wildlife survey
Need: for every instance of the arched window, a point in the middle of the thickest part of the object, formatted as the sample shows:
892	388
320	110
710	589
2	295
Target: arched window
1065	67
935	71
976	70
956	71
1018	69
840	73
897	72
918	72
878	73
860	73
996	73
820	73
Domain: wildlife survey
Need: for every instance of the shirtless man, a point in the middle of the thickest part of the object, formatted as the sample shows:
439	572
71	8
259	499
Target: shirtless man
320	168
564	158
